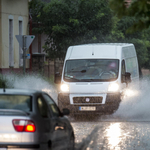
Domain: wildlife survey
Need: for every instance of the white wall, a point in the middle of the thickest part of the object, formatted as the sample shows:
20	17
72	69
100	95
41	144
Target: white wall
15	10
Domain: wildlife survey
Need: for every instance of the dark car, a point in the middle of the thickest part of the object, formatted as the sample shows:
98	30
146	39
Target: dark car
30	119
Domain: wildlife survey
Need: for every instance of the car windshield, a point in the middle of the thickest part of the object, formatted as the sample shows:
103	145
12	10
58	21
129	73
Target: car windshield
91	70
17	102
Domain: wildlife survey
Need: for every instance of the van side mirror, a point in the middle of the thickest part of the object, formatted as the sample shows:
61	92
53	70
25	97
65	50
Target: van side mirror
126	78
57	78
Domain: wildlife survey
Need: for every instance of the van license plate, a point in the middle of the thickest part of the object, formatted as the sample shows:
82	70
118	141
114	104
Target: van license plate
87	108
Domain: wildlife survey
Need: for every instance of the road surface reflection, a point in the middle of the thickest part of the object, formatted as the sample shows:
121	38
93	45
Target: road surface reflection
114	134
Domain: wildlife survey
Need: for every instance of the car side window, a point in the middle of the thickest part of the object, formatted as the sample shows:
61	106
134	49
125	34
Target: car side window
52	105
43	108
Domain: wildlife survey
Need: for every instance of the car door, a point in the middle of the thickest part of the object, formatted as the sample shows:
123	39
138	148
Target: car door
43	119
58	124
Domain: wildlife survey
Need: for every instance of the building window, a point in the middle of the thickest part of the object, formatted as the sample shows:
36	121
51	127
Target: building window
20	49
11	51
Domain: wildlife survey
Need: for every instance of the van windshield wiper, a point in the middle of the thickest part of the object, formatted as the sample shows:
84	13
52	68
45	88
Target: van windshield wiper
88	80
83	71
71	78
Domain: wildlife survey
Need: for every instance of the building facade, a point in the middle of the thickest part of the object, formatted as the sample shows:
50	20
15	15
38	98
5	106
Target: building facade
14	20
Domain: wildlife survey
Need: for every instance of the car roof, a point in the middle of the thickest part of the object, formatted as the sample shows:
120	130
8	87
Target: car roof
19	91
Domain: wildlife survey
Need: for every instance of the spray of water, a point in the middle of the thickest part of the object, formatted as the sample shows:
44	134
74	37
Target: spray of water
135	106
35	82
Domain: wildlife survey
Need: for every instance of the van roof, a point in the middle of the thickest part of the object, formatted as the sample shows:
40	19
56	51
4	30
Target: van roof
98	50
111	44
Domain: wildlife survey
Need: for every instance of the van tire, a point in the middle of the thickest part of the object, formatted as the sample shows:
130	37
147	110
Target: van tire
60	105
113	110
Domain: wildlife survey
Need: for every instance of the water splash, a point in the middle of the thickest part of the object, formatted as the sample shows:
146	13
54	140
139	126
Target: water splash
136	106
133	108
35	82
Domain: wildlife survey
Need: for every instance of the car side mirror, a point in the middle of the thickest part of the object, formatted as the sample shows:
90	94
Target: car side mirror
126	78
65	111
57	78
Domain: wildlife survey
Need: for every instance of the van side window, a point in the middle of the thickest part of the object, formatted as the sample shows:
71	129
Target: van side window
123	69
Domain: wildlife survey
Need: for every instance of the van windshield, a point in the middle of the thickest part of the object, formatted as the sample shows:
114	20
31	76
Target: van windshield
91	70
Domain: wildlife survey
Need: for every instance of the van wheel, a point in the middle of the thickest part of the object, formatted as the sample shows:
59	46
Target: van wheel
114	108
60	105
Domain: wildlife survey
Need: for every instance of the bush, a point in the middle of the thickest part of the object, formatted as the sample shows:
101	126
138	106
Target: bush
3	82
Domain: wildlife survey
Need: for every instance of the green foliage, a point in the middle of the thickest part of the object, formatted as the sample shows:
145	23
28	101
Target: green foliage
134	24
73	22
138	9
68	22
3	82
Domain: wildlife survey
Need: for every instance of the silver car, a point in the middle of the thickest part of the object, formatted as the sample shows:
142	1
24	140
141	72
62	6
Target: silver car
30	119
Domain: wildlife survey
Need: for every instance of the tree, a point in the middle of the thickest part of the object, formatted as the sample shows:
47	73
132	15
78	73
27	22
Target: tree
71	22
138	9
134	23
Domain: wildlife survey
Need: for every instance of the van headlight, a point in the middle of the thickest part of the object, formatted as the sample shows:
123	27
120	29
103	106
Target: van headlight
113	87
64	87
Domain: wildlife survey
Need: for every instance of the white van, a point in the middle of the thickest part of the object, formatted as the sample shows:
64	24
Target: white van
95	77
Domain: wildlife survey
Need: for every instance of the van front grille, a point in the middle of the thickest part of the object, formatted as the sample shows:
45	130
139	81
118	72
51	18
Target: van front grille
87	100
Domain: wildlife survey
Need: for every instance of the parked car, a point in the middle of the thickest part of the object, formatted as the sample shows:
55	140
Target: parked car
30	119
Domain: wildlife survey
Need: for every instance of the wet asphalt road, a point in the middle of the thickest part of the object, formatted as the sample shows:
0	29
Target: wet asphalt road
112	135
127	129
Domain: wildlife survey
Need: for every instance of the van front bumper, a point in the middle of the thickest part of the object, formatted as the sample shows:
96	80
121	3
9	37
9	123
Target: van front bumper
111	104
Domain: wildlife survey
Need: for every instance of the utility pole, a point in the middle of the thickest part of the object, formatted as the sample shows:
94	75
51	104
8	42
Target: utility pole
24	54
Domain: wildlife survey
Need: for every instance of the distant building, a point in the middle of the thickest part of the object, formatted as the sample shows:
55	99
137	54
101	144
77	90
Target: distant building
14	18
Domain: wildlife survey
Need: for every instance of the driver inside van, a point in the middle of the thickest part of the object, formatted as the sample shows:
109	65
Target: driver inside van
110	71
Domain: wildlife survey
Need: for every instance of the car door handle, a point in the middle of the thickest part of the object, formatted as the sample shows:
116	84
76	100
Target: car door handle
59	127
